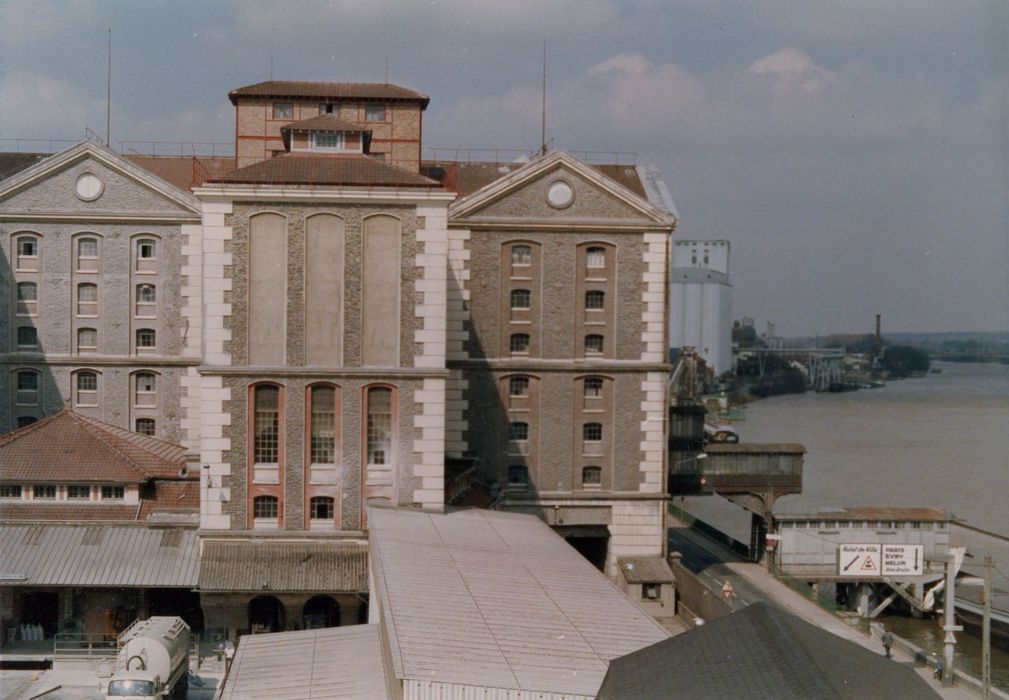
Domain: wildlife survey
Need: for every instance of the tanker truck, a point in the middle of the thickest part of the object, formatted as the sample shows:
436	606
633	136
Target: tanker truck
153	660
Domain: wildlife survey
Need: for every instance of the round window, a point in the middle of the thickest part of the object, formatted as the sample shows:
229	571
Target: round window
89	187
560	194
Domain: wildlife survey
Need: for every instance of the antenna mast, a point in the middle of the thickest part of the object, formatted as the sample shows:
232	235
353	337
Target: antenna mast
108	96
543	115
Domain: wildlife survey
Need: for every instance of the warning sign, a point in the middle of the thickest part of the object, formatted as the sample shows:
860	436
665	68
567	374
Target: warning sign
859	560
903	560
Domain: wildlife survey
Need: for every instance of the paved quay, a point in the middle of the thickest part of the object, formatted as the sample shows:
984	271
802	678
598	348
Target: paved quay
715	564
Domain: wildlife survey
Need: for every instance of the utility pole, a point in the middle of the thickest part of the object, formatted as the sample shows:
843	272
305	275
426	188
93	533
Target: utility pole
986	632
949	622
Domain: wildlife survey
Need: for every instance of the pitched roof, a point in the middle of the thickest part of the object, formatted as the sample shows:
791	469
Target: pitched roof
172	497
324	122
283	566
317	169
41	511
645	570
873	513
761	653
331	91
97	555
465	178
185	172
68	447
338	662
488	599
13	163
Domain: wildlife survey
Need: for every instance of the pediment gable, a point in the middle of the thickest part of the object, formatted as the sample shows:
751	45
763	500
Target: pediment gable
558	190
89	180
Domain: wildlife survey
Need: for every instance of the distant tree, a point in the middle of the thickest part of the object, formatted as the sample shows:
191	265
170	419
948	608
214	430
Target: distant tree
902	360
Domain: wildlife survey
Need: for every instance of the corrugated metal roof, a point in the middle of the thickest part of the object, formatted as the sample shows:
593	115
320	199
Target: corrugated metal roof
872	513
489	599
645	570
339	662
261	565
745	448
98	555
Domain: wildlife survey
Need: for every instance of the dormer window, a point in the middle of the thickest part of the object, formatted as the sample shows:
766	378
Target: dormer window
327	141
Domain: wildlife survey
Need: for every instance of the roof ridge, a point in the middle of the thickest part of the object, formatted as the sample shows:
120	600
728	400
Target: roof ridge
84	421
19	433
109	428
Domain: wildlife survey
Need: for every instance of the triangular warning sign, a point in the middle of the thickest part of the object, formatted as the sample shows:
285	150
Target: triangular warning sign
868	565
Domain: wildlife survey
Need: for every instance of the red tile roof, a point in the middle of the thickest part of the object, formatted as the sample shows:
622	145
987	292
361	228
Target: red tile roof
172	496
184	172
26	510
466	177
330	91
316	169
68	447
324	122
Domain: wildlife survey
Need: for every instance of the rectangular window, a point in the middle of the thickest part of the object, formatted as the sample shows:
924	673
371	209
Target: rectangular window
329	108
650	591
379	426
595	257
327	142
10	491
78	493
519	344
518	476
27	298
87	299
266	446
44	492
28	388
321	508
593	345
28	254
28	337
522	255
374	113
323	427
87	339
144	426
283	110
146	297
113	493
147	249
87	248
265	508
146	338
593	388
520	298
518	386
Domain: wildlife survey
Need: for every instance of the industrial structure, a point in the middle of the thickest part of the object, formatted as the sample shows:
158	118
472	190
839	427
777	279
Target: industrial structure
700	301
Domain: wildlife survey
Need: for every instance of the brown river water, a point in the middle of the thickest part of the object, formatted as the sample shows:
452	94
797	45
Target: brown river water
939	441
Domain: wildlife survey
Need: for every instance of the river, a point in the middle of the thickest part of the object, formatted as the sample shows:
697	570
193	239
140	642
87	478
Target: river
938	441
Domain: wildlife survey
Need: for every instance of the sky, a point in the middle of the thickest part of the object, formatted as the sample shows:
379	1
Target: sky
854	152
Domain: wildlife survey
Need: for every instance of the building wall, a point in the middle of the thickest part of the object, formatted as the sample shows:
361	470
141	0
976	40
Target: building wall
398	138
58	316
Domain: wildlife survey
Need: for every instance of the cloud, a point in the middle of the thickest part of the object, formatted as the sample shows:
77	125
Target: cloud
33	105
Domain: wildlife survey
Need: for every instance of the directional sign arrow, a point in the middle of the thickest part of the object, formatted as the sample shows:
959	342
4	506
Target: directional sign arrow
850	563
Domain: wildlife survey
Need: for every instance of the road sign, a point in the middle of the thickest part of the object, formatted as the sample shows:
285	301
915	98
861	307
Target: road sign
727	590
903	560
859	560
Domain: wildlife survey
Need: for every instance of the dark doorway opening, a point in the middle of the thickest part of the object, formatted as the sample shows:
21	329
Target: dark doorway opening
177	601
42	608
266	614
592	548
321	611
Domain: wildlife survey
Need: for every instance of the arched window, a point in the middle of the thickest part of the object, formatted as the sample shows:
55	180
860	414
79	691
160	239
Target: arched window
518	386
27	298
144	426
145	390
593	344
593	387
592	476
87	299
266	425
595	300
146	339
595	257
87	339
87	388
265	508
520	298
27	387
27	247
520	343
321	508
521	255
87	254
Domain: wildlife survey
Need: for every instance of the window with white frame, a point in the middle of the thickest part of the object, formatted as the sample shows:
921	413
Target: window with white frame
27	298
146	299
321	508
283	110
28	388
322	440
145	390
519	343
87	339
87	388
146	339
327	141
113	493
27	253
266	508
87	254
592	476
595	257
266	434
147	249
592	438
87	299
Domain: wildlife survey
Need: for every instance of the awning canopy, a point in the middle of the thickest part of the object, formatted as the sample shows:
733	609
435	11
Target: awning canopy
231	566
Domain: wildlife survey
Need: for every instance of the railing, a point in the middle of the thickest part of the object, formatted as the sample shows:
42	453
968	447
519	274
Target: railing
513	155
209	149
77	646
36	145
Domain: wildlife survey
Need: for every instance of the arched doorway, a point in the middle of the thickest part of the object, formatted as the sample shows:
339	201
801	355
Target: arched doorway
321	611
266	614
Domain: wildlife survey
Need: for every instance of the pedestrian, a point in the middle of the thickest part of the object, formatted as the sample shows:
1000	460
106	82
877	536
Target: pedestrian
887	641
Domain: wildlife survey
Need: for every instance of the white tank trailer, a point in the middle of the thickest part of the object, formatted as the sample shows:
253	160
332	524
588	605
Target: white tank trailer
153	660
